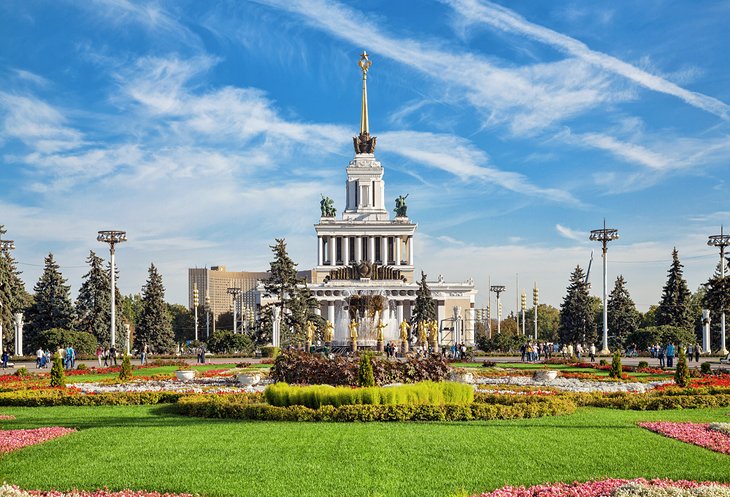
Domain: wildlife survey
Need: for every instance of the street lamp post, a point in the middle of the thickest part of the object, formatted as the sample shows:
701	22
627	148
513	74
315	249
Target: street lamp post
207	315
234	292
535	299
523	301
604	235
498	289
196	303
6	246
112	237
722	240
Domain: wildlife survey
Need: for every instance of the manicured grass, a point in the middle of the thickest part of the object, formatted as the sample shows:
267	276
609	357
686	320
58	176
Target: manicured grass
145	447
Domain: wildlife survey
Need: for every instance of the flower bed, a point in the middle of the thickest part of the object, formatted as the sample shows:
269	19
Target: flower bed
617	488
700	434
6	417
13	491
199	385
571	384
17	439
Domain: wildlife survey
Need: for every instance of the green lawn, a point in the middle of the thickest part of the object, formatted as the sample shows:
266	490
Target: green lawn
145	447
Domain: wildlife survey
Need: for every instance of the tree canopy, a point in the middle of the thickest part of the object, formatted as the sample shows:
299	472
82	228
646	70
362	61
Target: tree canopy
674	307
154	326
52	307
576	312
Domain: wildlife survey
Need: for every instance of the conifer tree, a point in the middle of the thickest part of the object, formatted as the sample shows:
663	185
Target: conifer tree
717	296
52	307
92	305
424	308
283	280
13	296
154	326
623	318
576	313
674	308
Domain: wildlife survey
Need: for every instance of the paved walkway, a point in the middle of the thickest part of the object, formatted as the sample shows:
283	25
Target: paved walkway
628	361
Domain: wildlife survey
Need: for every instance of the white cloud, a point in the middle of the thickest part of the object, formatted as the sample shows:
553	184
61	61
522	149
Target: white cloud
577	236
498	17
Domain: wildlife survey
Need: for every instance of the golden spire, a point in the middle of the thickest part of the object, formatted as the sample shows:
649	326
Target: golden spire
364	143
364	64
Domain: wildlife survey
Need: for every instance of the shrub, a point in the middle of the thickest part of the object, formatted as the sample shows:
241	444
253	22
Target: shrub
83	343
22	372
298	368
68	397
615	371
706	368
315	396
602	362
681	375
645	337
365	376
272	352
227	342
125	374
58	379
82	367
642	365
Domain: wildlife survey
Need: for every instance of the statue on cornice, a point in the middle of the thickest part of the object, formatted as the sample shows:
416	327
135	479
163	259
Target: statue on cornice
400	206
327	206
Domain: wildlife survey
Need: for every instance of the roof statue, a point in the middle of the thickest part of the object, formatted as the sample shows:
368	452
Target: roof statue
400	206
327	207
364	143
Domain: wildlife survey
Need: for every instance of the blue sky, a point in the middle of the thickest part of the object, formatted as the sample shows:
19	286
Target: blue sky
207	129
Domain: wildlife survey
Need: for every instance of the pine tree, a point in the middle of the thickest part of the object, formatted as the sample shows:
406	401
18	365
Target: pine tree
717	297
154	326
424	308
92	304
674	308
623	318
295	300
52	307
576	313
13	296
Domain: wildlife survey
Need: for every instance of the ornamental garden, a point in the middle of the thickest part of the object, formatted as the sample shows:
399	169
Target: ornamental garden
310	424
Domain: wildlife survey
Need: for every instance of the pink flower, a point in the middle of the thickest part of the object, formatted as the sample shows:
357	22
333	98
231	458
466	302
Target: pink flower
603	488
6	417
695	433
17	439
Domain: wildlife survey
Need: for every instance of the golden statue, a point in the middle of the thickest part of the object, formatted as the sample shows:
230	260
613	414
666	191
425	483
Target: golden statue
432	330
310	328
422	331
353	330
404	329
329	331
380	327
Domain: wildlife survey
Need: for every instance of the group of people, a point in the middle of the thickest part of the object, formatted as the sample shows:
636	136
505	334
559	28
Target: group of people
107	354
534	351
666	353
390	350
458	351
42	358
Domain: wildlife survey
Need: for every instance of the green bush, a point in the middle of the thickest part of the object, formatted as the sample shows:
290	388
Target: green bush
82	366
227	342
272	352
125	374
22	372
58	378
82	342
706	368
315	396
225	407
365	376
645	337
615	371
681	375
642	364
54	397
602	362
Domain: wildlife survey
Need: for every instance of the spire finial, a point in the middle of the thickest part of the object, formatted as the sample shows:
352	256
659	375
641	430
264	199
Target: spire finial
364	144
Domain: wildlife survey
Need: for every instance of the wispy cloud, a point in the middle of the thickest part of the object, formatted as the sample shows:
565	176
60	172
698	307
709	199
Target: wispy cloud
498	17
570	234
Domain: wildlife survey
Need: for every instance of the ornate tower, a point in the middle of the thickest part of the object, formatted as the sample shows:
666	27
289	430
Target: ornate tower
365	244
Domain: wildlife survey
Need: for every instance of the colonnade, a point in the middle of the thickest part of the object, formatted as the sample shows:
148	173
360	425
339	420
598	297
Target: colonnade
392	250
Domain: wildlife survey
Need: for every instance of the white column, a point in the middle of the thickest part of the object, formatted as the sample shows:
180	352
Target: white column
333	254
19	333
469	327
331	315
605	302
358	249
410	251
346	250
397	243
384	250
723	349
705	331
113	275
320	251
399	311
371	248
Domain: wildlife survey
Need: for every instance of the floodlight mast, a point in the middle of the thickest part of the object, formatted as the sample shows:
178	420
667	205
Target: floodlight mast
112	237
234	292
498	289
604	235
722	240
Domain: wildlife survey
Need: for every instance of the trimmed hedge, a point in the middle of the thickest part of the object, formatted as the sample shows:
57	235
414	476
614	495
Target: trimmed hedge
222	407
60	397
315	396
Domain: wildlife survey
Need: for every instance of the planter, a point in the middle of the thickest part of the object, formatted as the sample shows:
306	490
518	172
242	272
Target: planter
545	375
248	379
185	375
